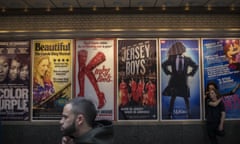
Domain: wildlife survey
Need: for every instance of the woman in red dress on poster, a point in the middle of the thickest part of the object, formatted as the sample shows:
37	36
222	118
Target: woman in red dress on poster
151	88
140	89
123	93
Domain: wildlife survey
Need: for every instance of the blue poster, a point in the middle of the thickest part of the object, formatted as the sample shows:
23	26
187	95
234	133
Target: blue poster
221	65
180	79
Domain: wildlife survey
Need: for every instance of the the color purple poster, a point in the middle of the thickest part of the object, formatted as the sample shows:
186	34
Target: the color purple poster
180	79
221	66
14	81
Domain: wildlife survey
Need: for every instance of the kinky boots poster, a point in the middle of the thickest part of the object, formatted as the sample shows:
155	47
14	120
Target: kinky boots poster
51	77
94	74
137	79
14	81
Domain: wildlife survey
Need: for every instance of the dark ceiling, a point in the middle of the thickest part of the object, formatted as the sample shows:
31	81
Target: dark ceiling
118	6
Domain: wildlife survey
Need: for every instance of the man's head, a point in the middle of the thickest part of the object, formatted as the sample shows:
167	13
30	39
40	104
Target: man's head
77	117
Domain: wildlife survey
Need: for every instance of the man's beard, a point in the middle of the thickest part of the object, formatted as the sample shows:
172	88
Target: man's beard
70	130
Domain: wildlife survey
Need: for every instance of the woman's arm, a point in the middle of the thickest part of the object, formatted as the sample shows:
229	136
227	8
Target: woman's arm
214	103
220	127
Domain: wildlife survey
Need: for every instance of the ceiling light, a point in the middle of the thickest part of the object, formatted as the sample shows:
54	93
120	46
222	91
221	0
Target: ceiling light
187	7
48	9
3	10
70	8
94	8
163	7
117	8
25	9
140	8
232	7
209	7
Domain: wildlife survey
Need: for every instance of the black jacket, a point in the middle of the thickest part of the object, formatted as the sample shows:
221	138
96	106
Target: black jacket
102	133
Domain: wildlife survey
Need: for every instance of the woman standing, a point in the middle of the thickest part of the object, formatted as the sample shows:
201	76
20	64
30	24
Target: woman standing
215	116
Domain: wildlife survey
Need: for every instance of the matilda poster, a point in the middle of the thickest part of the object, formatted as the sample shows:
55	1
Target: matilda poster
221	61
52	77
137	79
180	79
14	81
94	74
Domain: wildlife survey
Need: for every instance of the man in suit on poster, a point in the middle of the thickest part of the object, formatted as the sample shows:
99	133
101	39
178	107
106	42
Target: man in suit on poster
177	66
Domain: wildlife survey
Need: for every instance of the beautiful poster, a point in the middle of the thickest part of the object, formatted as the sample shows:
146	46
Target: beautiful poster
221	63
14	81
51	77
137	79
94	74
180	79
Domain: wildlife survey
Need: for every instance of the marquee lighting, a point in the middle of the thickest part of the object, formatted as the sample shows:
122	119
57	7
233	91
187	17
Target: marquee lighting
187	7
3	10
117	8
70	8
48	9
140	8
94	8
25	9
209	7
232	7
164	7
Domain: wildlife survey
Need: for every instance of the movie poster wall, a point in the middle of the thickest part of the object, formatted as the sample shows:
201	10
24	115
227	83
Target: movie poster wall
221	68
14	80
137	79
94	74
51	77
180	79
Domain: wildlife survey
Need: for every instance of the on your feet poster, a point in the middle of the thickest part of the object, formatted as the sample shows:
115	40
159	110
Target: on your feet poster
221	65
94	74
137	79
180	79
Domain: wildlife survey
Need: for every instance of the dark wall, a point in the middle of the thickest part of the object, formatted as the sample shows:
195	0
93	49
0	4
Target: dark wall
139	25
153	133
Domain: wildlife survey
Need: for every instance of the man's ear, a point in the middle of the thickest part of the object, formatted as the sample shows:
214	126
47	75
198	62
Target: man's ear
80	119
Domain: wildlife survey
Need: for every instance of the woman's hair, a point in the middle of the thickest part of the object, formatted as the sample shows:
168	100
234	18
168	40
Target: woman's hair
211	83
37	61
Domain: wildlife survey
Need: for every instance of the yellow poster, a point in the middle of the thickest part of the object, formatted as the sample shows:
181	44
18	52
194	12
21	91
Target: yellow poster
51	77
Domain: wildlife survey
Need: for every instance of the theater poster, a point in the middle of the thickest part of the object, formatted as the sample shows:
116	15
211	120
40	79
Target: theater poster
221	65
180	79
51	77
137	79
94	74
14	81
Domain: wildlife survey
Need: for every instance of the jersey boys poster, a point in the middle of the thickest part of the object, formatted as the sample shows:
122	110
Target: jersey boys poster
14	81
180	79
137	79
221	58
94	73
52	77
